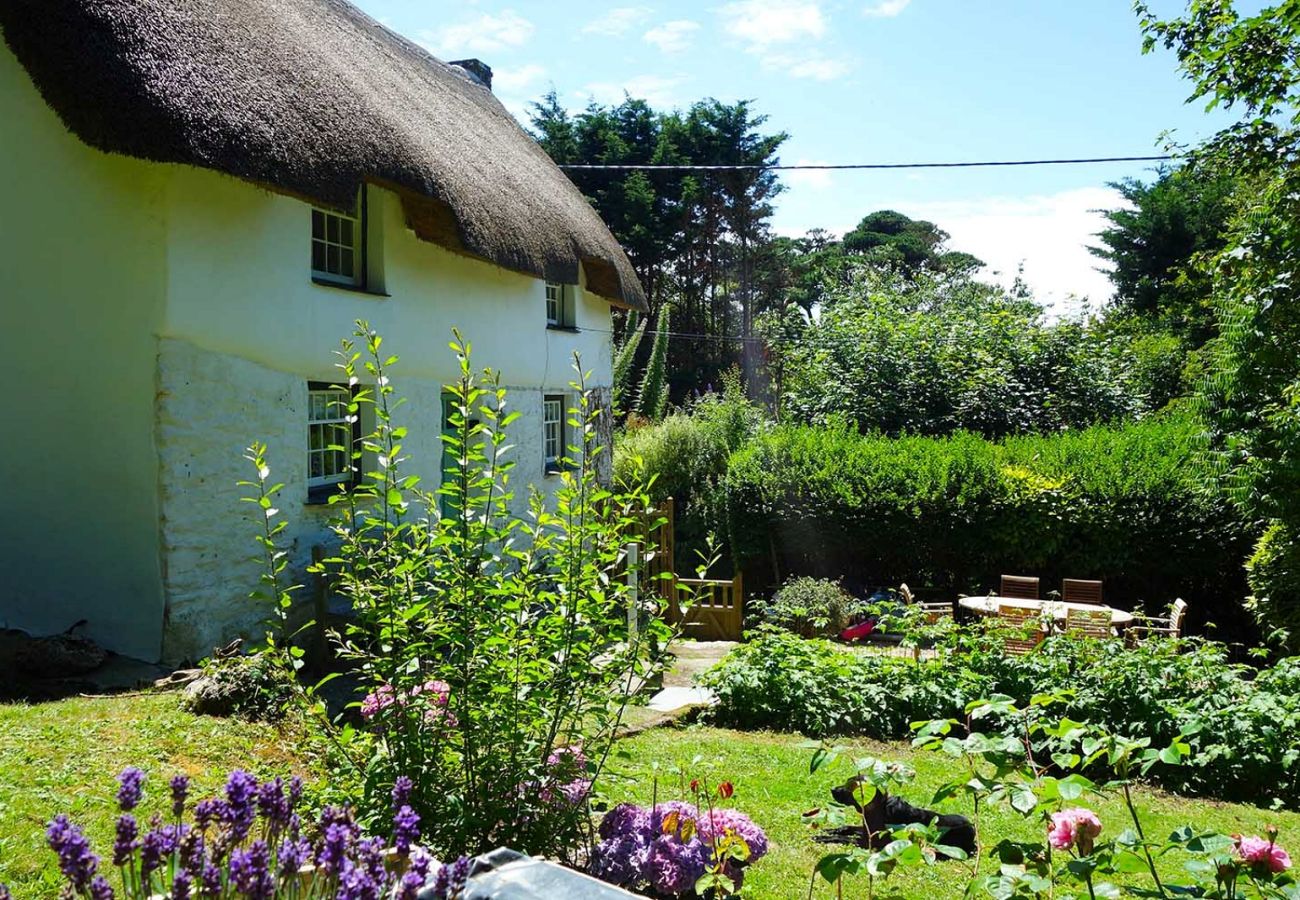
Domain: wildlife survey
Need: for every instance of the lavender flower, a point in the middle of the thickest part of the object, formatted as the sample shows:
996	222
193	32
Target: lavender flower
180	786
240	813
406	829
274	804
357	883
450	881
402	788
407	889
76	861
181	885
100	889
295	790
419	863
250	872
130	788
208	811
211	886
125	843
153	847
293	855
334	848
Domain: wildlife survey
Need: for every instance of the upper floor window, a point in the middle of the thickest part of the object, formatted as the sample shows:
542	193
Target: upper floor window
559	305
345	249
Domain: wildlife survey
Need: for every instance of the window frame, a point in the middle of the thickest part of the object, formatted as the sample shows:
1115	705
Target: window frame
564	316
360	277
554	464
321	486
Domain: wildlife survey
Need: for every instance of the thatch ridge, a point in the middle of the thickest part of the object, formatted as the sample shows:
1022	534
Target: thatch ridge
311	98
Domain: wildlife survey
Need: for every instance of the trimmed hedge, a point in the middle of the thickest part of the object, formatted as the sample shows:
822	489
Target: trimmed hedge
1244	726
1124	504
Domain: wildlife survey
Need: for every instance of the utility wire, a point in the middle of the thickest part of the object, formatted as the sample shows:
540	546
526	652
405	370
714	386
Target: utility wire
683	334
627	167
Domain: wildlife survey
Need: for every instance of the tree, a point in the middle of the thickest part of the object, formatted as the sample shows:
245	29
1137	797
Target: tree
911	245
1154	242
1251	394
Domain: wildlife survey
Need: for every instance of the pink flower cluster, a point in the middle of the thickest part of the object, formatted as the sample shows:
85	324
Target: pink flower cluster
436	694
566	776
1263	854
1075	828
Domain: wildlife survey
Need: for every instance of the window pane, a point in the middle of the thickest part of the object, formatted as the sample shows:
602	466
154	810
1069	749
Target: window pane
332	260
316	440
315	468
333	232
346	267
318	256
346	237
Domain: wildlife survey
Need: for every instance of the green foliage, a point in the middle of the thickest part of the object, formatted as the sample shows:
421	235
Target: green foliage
891	239
625	358
256	687
685	457
491	644
812	607
933	354
1123	504
652	398
1153	242
1244	731
1273	571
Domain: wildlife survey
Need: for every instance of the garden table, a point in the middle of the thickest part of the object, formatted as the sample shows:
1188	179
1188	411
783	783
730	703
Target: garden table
988	606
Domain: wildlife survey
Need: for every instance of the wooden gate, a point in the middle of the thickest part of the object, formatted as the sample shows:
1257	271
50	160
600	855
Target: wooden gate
706	609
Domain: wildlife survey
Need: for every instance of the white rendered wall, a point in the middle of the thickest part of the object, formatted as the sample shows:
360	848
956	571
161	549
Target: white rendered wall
81	299
246	329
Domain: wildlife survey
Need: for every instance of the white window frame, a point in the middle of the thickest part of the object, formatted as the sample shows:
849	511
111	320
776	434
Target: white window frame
335	427
555	427
559	305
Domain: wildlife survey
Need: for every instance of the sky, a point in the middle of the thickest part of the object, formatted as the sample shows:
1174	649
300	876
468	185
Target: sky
863	81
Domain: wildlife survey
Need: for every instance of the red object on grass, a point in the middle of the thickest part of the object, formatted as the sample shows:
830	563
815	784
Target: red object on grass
859	631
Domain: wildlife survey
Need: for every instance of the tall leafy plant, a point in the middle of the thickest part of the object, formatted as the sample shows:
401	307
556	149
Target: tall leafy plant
652	402
625	357
497	651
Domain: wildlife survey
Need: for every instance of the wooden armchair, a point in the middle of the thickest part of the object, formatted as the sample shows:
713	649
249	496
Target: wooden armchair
1025	631
1144	627
1078	590
931	610
1088	623
1019	586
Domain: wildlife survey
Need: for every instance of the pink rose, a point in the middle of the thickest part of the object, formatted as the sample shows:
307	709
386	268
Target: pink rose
1077	827
1266	854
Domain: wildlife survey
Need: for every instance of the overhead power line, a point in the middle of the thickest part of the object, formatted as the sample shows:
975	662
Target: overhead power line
629	167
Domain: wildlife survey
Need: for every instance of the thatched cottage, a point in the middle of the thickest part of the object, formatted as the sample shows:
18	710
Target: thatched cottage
199	199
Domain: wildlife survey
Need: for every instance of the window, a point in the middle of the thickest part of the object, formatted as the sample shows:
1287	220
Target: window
342	247
559	305
329	436
553	431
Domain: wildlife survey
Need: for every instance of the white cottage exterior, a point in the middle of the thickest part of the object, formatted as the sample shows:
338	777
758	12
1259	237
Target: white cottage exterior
162	313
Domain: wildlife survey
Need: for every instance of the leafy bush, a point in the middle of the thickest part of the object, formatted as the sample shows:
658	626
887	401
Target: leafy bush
495	649
1244	728
255	686
1273	571
812	607
1123	504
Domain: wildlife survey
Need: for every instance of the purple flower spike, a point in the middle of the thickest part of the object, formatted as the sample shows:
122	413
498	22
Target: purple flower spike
180	790
76	862
295	790
402	788
208	811
125	843
250	872
130	788
211	881
100	889
4	893
181	886
406	829
274	804
450	881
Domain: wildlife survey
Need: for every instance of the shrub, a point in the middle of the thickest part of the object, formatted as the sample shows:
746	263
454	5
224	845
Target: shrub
253	686
1123	504
812	607
494	649
1273	571
1244	728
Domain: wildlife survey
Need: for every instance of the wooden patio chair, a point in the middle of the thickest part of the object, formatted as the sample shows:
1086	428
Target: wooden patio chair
1025	632
1020	587
1144	627
1088	623
931	610
1078	590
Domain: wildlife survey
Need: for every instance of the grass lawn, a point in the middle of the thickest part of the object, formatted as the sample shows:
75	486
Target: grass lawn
63	757
770	774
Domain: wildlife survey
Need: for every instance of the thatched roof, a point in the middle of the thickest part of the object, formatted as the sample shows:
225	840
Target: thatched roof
310	98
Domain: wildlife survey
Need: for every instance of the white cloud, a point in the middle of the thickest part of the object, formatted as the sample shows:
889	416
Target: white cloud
656	90
886	9
764	23
482	34
617	21
813	179
815	66
674	36
1048	233
520	79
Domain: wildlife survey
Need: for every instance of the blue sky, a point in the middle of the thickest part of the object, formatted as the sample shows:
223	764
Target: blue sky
872	81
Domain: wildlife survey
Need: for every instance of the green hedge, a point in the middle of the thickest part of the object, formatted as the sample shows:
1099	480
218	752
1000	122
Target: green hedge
1244	726
1124	504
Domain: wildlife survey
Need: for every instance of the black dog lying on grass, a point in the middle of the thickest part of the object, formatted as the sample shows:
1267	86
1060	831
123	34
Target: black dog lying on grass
884	811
